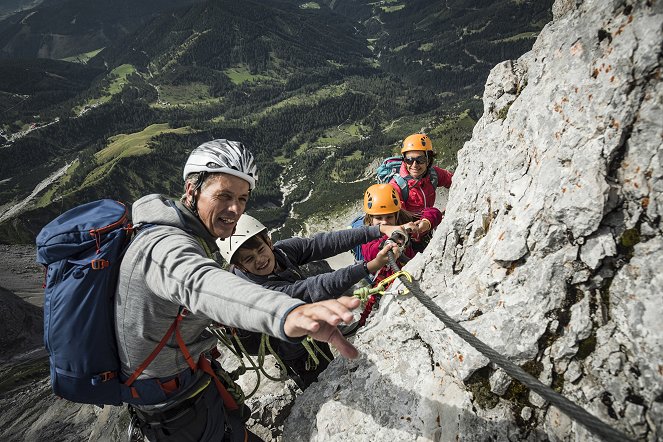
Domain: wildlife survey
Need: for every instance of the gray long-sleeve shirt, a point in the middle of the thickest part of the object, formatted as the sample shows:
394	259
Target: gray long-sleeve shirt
293	252
166	267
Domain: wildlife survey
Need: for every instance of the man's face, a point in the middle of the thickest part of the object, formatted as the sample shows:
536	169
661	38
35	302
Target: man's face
220	203
416	163
259	261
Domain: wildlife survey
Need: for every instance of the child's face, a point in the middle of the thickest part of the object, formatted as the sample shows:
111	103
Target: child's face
384	220
259	261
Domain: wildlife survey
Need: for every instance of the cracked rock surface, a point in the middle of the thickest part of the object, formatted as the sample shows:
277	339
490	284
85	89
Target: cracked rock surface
551	253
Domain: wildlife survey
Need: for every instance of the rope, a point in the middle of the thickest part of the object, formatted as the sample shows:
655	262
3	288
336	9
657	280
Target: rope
312	361
257	368
367	310
283	373
571	409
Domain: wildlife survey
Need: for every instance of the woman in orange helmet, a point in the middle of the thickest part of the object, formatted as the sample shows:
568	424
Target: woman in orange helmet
419	173
418	178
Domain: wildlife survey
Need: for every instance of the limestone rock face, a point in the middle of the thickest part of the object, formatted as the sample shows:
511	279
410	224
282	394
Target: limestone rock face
551	253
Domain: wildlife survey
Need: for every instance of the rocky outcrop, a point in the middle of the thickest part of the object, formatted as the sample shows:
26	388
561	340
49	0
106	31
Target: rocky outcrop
550	253
21	327
30	411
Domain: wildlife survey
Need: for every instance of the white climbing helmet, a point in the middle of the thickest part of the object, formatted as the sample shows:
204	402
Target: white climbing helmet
247	227
223	156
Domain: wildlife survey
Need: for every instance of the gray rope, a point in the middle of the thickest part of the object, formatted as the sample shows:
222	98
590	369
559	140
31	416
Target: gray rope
572	410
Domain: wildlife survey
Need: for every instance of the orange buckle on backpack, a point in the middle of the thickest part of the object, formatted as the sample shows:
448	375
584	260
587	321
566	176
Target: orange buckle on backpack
103	377
98	264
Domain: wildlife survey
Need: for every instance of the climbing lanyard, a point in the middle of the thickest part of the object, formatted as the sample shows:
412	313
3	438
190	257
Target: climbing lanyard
240	352
238	349
370	296
313	351
572	410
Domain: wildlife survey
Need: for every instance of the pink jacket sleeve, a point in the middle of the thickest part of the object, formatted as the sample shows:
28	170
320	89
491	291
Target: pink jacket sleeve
433	215
443	177
370	249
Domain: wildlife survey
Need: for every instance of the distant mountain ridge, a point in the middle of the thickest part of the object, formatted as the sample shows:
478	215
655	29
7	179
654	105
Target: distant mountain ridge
317	94
63	28
260	34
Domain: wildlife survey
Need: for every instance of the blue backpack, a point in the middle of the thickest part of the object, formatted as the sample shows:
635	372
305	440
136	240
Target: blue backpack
82	250
389	169
356	250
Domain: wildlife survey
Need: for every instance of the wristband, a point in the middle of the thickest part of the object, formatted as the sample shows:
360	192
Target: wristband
430	224
365	264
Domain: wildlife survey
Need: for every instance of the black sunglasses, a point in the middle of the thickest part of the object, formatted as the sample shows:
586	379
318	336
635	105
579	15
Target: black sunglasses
419	160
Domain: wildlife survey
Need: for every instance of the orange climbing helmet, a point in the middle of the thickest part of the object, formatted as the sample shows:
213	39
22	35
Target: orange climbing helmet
417	142
381	199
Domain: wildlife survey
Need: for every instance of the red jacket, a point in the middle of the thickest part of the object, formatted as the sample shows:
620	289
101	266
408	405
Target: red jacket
432	214
370	251
421	191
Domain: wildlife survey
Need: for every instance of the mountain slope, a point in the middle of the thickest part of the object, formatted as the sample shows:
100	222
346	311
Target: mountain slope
10	7
300	85
38	84
271	35
448	46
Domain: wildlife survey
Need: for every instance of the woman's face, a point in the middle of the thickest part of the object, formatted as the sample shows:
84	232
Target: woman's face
384	220
416	163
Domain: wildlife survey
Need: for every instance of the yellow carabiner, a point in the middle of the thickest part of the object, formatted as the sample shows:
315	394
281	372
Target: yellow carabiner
363	293
386	281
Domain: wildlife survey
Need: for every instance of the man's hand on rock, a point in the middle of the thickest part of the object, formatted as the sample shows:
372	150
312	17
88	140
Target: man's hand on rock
319	320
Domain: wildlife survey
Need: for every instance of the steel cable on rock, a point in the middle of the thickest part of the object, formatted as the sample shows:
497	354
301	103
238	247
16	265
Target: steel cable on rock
568	407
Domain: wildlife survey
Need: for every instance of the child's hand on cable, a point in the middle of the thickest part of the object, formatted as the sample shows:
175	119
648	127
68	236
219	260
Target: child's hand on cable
389	230
382	258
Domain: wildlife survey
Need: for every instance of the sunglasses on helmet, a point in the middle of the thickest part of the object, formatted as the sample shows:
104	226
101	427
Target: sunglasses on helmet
421	159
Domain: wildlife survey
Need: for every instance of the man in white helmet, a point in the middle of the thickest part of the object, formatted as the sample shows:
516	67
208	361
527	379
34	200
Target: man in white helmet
169	282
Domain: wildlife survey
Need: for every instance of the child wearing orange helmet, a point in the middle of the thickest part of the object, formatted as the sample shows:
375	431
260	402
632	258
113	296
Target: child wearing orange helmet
383	206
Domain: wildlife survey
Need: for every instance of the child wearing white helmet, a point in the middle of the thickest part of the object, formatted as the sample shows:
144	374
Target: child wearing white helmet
276	266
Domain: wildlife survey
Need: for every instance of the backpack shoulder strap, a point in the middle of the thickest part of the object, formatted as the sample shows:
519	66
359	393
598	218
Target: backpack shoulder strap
433	177
402	184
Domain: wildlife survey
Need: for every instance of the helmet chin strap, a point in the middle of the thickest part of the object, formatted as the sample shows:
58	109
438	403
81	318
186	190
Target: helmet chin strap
196	189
